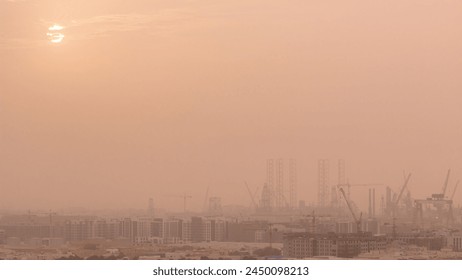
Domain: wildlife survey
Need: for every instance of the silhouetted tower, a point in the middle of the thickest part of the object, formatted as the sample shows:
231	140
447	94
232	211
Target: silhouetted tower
265	200
340	182
293	183
388	204
269	187
371	203
323	182
151	207
280	201
382	206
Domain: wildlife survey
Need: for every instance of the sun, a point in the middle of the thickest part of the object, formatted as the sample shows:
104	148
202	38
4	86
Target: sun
54	34
55	27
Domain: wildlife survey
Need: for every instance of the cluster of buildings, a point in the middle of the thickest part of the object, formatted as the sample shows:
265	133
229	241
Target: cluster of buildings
56	230
341	245
304	237
308	245
24	228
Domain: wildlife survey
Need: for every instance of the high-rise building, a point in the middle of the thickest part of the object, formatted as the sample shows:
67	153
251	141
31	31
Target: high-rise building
151	207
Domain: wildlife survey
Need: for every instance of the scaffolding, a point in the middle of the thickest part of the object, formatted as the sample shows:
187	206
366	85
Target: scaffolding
323	182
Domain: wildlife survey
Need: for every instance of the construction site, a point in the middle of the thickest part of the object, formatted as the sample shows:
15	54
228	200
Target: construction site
393	206
393	217
392	224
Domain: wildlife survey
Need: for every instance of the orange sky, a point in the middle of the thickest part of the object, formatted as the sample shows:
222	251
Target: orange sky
146	98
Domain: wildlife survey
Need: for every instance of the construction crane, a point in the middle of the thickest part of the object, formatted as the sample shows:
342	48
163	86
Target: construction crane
185	198
454	191
402	190
440	196
251	195
255	193
445	187
438	201
395	204
357	221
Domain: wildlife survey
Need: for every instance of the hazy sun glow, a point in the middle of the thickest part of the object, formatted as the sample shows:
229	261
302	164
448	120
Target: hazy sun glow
54	36
55	27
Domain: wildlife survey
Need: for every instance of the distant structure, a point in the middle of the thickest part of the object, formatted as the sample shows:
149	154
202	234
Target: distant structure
279	194
334	195
308	245
323	182
439	201
151	207
388	204
215	208
371	211
269	184
292	183
275	195
265	200
276	189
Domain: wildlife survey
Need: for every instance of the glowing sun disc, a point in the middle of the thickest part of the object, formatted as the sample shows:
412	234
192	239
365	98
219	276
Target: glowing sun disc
54	35
55	27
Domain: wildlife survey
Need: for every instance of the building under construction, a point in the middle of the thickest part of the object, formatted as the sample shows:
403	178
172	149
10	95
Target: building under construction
309	245
279	193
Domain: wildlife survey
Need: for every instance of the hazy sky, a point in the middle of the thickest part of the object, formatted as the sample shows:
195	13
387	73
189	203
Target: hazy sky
152	98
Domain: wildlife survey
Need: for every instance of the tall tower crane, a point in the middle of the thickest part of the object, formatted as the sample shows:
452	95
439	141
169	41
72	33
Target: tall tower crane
440	196
252	197
357	221
454	191
445	187
395	204
438	201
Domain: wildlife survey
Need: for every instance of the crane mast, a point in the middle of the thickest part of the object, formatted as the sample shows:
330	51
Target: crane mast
402	190
251	195
446	183
454	191
357	221
395	205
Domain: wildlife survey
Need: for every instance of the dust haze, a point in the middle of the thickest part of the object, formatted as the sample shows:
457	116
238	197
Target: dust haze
165	98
